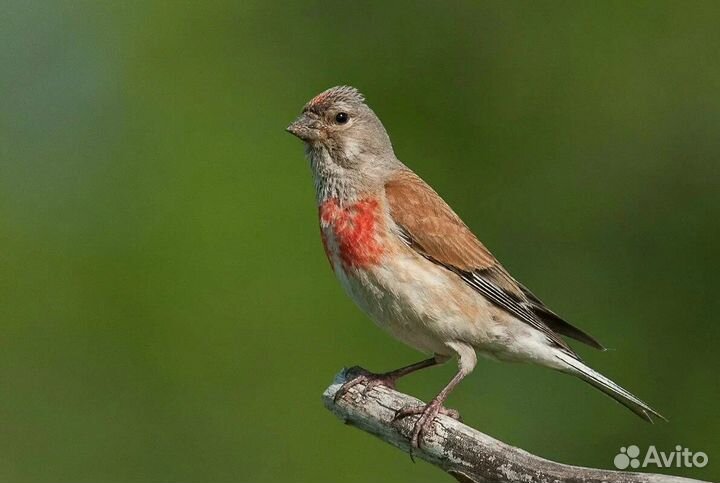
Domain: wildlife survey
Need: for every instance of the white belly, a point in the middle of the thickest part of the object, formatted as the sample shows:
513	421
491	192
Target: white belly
417	302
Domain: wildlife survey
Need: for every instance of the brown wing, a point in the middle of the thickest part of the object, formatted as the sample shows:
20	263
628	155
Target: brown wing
429	226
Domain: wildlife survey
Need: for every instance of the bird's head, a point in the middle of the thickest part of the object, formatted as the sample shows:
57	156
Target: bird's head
342	135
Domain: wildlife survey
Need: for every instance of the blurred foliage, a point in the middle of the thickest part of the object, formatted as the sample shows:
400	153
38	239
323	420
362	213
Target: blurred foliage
167	313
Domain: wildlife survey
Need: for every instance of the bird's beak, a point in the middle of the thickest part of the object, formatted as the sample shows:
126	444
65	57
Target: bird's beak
304	128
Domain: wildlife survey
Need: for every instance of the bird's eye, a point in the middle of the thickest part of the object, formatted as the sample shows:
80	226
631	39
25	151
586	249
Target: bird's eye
341	117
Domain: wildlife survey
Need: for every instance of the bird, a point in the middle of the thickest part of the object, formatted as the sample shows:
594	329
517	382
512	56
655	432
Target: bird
416	269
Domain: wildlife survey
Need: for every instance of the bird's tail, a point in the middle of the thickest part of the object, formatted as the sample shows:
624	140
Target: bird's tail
621	395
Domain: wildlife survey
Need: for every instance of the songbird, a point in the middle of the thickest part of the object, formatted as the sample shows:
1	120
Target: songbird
408	261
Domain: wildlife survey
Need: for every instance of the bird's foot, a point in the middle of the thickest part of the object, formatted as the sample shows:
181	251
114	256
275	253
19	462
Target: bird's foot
369	380
424	423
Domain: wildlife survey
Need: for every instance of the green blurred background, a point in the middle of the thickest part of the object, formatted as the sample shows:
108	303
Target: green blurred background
167	313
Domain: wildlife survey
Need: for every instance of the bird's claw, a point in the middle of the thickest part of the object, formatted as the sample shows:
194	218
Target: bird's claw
369	380
427	414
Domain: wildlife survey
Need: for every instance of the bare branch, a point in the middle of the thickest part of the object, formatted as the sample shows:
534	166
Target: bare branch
463	452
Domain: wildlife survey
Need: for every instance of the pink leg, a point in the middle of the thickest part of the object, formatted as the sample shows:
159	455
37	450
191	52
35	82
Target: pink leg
427	412
387	379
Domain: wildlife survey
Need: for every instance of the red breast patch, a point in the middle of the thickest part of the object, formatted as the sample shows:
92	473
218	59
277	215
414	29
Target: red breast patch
354	229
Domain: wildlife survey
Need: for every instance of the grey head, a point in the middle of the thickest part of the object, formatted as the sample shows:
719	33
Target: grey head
347	145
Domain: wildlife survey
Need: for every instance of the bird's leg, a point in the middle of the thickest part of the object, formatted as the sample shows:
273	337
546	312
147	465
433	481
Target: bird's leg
387	379
427	412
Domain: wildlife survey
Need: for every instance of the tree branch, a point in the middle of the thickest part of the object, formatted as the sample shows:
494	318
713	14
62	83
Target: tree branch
467	454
